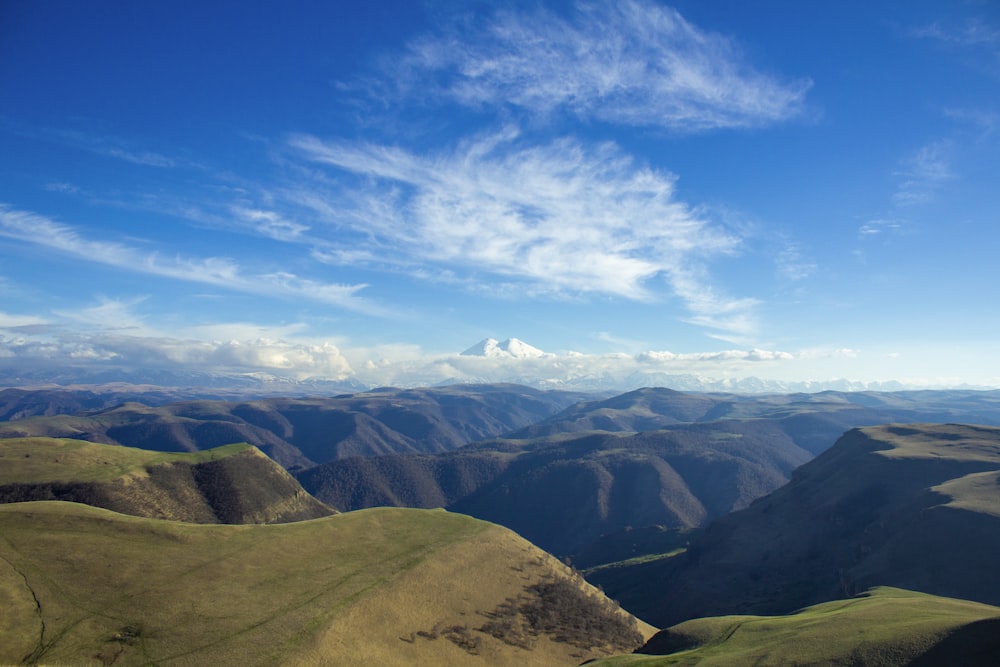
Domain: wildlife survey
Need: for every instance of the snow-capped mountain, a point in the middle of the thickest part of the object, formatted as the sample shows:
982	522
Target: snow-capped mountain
511	348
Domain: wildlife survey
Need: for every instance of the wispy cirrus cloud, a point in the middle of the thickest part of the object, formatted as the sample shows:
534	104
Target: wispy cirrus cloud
562	217
974	31
878	226
99	144
922	173
635	63
271	224
220	272
15	321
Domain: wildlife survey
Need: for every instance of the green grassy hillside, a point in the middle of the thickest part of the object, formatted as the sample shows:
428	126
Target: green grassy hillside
230	484
81	585
883	628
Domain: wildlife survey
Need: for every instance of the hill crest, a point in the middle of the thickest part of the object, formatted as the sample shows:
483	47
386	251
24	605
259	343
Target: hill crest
232	484
381	586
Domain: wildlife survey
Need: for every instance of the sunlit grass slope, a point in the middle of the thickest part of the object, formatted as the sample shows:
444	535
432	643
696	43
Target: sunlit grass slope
34	460
81	585
230	484
887	626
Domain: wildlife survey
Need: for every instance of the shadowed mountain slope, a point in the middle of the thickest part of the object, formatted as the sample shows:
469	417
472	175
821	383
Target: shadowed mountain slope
563	493
388	587
910	506
885	627
232	484
298	433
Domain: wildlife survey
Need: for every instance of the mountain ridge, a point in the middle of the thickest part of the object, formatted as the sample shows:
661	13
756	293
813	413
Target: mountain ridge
910	506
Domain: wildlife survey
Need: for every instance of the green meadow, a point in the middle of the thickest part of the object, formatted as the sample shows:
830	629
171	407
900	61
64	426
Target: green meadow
886	626
36	460
83	581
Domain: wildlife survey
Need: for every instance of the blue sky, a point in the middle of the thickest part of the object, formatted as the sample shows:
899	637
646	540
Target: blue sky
361	191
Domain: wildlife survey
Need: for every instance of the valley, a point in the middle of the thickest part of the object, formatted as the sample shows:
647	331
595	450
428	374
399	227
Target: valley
733	522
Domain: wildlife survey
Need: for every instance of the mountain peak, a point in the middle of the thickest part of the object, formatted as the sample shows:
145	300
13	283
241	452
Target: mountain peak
512	348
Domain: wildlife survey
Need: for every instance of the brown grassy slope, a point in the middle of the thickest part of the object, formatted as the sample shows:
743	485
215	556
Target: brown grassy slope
385	586
912	507
232	484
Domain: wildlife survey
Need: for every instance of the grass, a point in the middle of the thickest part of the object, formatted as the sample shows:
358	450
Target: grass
36	460
933	441
886	626
84	584
976	492
194	591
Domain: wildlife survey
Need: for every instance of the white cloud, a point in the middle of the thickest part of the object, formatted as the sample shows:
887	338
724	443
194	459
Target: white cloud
632	62
972	32
113	334
244	331
100	144
922	173
791	262
271	224
879	226
108	315
216	271
983	121
298	360
145	158
12	321
616	370
752	355
561	217
284	352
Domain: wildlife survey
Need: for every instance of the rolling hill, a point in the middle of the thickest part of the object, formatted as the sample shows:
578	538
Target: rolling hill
83	585
884	627
231	484
908	506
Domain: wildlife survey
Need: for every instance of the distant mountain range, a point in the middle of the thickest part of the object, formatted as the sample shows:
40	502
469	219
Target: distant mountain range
296	432
644	458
